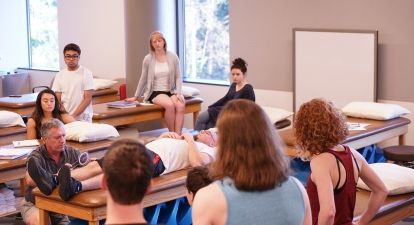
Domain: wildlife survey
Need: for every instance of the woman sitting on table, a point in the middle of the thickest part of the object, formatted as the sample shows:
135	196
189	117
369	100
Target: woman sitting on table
47	107
239	89
335	168
160	82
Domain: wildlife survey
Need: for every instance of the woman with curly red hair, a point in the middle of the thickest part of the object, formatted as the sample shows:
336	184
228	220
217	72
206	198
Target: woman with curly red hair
335	168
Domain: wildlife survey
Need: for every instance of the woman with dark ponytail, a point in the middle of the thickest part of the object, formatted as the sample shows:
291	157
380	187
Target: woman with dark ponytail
239	89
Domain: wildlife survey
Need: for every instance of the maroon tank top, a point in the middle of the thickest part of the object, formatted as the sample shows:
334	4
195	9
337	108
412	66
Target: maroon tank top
344	196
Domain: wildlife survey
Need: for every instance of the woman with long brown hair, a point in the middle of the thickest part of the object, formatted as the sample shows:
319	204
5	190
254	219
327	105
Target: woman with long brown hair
252	183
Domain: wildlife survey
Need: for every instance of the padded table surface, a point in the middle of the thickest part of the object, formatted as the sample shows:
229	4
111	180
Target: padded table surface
395	208
375	127
118	117
24	105
10	134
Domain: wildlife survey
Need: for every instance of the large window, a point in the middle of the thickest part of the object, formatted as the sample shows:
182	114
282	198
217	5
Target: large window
43	34
204	29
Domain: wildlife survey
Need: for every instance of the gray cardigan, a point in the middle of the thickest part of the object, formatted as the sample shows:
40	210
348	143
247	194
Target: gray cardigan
146	82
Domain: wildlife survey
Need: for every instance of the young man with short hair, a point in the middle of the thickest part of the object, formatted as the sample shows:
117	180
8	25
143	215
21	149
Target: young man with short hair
74	85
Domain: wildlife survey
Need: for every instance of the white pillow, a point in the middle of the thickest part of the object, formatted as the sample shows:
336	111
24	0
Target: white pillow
276	114
397	179
9	119
189	91
87	132
374	110
103	83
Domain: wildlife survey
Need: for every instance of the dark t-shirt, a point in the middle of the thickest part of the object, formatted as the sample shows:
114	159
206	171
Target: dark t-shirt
44	161
247	92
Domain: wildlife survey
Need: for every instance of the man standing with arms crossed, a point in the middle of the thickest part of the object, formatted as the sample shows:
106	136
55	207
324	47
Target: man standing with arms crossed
74	85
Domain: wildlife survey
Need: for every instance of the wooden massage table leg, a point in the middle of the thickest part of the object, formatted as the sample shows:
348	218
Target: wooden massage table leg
43	217
22	186
195	116
401	139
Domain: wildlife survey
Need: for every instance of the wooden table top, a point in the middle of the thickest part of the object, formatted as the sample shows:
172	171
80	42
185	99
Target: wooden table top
102	111
29	100
375	127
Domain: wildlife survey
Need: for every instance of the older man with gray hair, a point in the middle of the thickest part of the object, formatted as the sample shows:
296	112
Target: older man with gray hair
42	166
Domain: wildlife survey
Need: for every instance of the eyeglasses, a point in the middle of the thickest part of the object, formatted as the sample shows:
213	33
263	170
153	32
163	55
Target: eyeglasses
71	56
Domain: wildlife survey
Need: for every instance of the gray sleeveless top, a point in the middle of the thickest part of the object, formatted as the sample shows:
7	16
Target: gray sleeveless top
282	205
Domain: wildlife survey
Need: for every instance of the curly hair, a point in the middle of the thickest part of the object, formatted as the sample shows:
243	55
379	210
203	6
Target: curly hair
318	126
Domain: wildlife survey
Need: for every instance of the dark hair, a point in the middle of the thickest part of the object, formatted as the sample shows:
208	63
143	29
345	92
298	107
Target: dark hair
240	64
197	178
249	151
38	113
128	171
52	123
72	47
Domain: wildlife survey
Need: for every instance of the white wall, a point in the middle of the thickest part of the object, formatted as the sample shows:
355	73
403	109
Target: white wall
98	27
13	38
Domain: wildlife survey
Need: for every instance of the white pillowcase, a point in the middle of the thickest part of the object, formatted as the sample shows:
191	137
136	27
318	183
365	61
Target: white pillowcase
374	110
87	132
397	179
9	119
103	83
189	91
276	114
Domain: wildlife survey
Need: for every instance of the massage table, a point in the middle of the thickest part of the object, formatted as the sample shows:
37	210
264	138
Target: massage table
24	105
119	117
91	205
9	134
376	132
14	169
394	209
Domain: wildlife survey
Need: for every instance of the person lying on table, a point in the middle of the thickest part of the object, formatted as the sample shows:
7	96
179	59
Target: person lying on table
170	152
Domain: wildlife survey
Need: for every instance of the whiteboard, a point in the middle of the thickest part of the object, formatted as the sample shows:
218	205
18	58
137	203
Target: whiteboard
338	65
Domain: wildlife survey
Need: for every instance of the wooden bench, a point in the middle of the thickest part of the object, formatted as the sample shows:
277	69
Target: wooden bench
91	205
126	116
24	105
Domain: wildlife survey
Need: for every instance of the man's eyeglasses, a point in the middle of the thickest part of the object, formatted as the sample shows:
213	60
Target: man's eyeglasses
71	56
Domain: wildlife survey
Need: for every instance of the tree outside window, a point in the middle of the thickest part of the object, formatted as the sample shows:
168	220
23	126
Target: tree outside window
43	34
206	40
